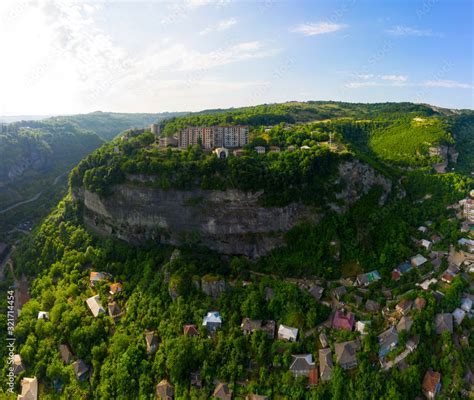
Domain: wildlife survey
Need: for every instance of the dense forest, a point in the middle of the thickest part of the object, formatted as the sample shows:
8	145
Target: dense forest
165	288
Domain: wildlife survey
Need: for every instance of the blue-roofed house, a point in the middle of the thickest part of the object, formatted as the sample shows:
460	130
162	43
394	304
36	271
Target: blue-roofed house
404	267
388	340
212	321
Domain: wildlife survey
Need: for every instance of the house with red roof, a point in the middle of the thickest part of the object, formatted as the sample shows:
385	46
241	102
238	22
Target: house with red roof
343	320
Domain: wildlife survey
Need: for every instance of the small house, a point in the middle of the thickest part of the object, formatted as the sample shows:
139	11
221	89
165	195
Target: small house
66	354
404	324
426	244
431	384
447	277
43	315
29	389
164	390
372	306
443	323
388	340
252	325
422	229
458	315
339	292
367	278
259	149
404	307
305	147
17	364
362	327
405	267
115	288
316	292
287	333
96	277
302	365
343	320
325	364
80	369
274	149
420	303
114	311
95	306
466	304
212	321
190	330
323	339
222	392
151	342
346	354
395	275
418	260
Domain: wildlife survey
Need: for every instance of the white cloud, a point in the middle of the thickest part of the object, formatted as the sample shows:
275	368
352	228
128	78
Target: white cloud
358	85
400	30
447	84
318	28
394	78
220	26
65	63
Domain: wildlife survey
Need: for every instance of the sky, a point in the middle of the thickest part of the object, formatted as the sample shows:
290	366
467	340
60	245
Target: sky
69	57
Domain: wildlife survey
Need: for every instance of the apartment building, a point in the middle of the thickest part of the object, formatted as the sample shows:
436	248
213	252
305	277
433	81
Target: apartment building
214	136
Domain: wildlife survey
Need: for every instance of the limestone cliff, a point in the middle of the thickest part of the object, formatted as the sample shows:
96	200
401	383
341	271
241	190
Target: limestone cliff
229	222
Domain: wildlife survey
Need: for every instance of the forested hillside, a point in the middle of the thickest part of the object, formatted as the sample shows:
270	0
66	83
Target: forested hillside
149	300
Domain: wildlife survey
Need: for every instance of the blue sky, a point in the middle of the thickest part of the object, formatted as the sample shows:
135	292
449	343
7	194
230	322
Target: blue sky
153	56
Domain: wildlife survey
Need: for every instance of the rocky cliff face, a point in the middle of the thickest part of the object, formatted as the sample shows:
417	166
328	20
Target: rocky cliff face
229	222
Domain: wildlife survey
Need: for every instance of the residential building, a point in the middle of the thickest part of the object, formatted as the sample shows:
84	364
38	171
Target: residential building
343	320
458	315
388	340
114	311
251	325
164	390
420	303
190	330
287	333
95	306
323	339
274	149
97	277
396	275
17	364
302	365
404	307
426	244
418	260
404	324
362	327
468	210
222	392
367	278
467	243
213	136
66	354
29	389
346	354
43	315
405	267
325	364
372	306
316	292
155	129
260	149
431	384
212	321
444	322
256	397
151	342
115	288
80	369
339	292
466	304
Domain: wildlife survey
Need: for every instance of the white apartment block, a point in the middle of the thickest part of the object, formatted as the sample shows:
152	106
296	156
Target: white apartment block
214	136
